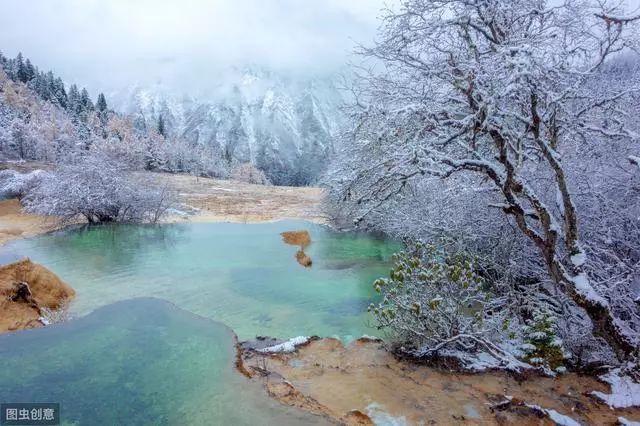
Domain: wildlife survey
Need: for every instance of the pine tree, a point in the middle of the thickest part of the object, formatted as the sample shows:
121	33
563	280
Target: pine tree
161	128
101	103
73	105
542	346
85	100
20	69
39	85
102	110
30	71
59	93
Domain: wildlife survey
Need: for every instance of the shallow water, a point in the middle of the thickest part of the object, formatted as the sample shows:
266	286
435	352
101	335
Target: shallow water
242	275
141	361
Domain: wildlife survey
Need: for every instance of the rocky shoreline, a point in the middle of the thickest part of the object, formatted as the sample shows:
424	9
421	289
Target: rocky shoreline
30	295
364	383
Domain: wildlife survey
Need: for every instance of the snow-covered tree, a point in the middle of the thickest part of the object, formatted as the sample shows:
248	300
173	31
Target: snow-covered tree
248	173
102	111
14	184
493	94
161	129
99	190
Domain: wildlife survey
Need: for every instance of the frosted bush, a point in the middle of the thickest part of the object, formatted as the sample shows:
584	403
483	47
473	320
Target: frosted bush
248	173
14	184
434	301
99	190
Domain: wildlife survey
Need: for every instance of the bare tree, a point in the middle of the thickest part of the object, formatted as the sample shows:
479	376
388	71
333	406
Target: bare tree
494	92
99	190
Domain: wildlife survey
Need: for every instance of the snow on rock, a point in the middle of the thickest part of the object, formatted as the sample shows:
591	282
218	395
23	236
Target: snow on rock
557	418
625	392
380	417
483	361
368	337
288	346
626	422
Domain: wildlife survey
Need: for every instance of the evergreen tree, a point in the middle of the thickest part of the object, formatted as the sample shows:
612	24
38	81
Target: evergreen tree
41	86
542	345
101	103
50	86
10	69
4	61
29	70
59	93
20	69
101	108
73	105
161	127
85	100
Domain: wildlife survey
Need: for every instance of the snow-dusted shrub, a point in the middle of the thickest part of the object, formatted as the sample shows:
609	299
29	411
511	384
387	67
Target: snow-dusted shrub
248	173
14	184
434	300
98	189
542	346
180	156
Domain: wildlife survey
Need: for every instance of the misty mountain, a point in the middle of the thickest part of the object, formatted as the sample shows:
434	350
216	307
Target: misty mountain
284	125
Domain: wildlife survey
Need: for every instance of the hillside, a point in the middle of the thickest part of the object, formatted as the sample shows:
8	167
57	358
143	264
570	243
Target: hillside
284	125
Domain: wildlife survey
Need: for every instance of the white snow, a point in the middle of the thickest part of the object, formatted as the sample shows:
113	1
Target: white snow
557	418
581	282
288	346
483	361
368	337
272	111
579	259
382	418
559	201
217	188
625	422
624	391
561	419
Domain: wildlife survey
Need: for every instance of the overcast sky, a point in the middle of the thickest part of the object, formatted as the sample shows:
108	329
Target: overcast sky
108	45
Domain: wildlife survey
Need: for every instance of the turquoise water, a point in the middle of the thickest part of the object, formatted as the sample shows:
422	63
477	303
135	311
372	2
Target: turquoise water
126	358
242	275
138	362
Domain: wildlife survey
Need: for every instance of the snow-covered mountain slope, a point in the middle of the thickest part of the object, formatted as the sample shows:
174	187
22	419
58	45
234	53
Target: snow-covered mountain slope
284	125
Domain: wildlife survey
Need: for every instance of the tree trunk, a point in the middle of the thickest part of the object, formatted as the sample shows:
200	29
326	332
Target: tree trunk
603	323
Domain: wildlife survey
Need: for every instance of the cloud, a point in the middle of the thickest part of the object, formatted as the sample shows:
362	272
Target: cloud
107	45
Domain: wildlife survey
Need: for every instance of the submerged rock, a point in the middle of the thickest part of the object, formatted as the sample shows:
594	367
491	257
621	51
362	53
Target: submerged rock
303	259
26	290
301	239
297	238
